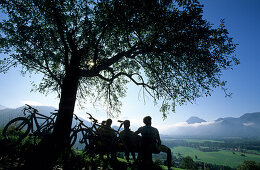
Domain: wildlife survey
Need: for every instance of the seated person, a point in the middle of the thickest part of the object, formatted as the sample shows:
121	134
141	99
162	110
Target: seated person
151	142
150	136
127	137
106	131
101	126
108	137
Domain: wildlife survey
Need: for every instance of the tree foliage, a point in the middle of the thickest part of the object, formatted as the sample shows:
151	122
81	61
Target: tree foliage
188	163
249	165
165	47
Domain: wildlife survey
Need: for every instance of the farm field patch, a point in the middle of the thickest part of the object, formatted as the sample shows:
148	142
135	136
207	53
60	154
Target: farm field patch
222	157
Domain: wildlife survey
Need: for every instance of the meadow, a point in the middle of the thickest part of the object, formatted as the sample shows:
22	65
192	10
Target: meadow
219	152
195	140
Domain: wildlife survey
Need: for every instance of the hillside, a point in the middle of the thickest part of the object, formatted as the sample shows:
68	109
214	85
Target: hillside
8	114
2	107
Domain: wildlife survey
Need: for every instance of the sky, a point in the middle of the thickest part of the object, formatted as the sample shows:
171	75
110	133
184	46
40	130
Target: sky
242	21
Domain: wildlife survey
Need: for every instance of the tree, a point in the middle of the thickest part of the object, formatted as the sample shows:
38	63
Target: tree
94	48
249	165
188	163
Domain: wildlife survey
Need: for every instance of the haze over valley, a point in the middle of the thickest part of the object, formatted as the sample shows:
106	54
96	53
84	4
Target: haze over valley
247	125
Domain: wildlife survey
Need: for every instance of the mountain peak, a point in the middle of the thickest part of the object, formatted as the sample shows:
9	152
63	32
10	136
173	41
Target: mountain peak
194	119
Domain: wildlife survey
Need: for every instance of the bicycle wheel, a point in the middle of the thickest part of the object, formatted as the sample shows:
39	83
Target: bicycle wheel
90	141
78	138
73	137
42	132
16	130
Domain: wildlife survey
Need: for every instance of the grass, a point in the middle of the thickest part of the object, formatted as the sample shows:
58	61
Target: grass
173	168
203	140
254	151
204	147
75	160
223	157
197	140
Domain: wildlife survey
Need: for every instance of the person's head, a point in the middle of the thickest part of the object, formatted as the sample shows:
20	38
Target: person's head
126	124
147	120
109	122
103	122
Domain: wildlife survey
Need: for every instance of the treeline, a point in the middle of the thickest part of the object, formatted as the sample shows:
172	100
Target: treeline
241	145
188	163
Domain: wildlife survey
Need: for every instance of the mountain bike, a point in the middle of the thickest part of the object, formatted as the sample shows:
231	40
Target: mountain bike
92	136
38	124
99	142
94	141
78	131
85	133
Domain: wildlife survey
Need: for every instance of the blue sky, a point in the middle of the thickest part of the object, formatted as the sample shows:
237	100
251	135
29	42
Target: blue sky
242	21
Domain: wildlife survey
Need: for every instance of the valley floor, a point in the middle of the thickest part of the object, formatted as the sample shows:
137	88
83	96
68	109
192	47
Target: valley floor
222	157
231	152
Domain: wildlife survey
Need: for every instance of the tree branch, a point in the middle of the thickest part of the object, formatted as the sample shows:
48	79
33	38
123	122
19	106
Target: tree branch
97	44
47	68
61	31
106	63
130	76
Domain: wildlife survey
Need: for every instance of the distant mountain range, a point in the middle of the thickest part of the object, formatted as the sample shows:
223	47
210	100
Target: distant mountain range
247	125
7	114
2	107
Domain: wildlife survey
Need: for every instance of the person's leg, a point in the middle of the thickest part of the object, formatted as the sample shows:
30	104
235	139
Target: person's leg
133	155
166	150
127	156
147	156
113	155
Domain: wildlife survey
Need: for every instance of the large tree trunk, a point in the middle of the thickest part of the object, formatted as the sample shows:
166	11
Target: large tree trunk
66	108
67	104
46	154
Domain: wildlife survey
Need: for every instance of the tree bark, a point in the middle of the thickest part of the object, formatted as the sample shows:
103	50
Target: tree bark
46	154
69	88
66	109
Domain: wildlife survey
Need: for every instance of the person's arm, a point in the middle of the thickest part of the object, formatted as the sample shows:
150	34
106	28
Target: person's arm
138	131
158	138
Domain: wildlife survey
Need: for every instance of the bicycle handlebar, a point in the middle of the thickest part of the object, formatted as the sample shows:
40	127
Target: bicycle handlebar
91	117
77	118
30	108
55	112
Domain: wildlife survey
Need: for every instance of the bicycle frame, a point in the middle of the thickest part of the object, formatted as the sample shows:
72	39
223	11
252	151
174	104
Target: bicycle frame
79	126
34	118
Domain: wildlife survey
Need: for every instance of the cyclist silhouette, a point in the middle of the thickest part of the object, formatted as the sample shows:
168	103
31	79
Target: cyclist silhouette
108	136
128	138
151	142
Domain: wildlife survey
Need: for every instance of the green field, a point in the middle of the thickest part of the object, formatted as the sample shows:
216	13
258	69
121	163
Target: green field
223	157
203	140
254	151
197	140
